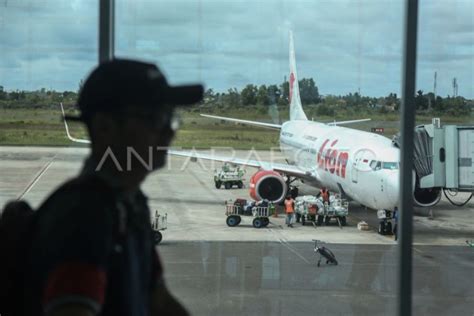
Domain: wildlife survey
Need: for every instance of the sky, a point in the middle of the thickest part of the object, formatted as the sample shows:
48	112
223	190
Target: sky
345	45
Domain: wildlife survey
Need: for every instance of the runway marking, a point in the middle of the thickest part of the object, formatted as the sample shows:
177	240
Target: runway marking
285	243
36	178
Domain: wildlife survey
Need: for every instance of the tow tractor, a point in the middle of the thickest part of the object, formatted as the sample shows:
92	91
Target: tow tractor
260	211
309	208
229	177
158	224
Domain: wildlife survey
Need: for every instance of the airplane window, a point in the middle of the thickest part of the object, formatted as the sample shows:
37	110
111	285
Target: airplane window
375	165
390	165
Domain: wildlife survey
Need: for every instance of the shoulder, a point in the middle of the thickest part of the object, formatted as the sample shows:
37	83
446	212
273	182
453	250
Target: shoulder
80	192
77	206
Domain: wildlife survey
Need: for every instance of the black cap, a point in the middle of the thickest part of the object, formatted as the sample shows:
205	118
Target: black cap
121	82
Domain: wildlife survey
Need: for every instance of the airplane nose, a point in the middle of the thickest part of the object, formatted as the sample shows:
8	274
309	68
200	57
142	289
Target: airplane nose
393	187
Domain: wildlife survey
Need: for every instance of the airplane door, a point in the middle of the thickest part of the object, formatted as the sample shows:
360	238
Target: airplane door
355	170
360	164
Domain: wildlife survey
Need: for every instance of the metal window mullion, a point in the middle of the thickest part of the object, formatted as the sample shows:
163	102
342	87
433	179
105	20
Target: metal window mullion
106	30
405	256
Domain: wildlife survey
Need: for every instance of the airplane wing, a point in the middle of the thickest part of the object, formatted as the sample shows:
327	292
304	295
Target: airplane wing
260	124
279	167
289	170
348	122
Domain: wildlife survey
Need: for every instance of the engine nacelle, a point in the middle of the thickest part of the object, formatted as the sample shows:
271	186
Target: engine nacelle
267	184
427	197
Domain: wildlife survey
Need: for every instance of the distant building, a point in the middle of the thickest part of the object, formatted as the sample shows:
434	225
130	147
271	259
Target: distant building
1	88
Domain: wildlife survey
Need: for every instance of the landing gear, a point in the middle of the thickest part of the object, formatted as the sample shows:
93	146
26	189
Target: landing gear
381	229
385	223
294	192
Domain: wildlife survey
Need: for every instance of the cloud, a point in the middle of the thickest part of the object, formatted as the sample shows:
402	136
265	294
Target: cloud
345	45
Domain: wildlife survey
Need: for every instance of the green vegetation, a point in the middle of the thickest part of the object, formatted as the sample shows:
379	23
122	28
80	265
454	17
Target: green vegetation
34	117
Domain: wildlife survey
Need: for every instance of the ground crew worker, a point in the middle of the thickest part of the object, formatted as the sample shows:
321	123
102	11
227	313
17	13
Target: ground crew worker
395	226
290	210
324	193
93	250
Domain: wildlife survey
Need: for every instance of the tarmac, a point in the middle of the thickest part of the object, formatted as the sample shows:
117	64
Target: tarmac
221	270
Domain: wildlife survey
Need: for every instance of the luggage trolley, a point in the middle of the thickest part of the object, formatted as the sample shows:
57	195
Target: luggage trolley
234	212
158	224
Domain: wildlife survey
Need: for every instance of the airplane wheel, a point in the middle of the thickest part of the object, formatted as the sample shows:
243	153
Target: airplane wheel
257	222
218	184
157	236
381	228
388	229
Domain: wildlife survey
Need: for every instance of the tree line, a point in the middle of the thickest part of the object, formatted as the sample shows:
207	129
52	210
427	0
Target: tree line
269	95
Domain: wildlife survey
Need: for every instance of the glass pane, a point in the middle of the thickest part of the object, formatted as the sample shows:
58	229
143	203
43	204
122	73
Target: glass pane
348	61
46	49
443	266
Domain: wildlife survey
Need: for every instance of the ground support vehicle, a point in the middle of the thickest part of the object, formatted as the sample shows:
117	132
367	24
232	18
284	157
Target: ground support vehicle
235	210
313	209
385	222
229	177
158	224
324	252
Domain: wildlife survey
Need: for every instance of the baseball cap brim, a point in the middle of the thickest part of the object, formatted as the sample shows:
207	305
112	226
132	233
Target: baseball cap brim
183	95
173	95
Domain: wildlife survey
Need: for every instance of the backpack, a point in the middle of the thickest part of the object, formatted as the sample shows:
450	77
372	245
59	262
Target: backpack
15	230
17	226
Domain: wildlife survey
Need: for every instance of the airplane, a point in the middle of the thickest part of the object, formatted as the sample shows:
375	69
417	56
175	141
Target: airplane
361	166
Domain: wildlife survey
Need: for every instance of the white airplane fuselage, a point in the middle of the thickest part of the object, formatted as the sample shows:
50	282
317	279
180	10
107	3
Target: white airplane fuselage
362	165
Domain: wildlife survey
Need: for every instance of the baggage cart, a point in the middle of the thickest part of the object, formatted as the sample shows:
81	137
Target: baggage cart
235	210
158	224
312	209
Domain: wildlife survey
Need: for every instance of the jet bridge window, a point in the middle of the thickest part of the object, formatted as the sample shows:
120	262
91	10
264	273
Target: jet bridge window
390	165
375	165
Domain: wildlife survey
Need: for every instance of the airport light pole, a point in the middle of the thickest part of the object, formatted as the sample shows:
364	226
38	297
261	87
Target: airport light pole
106	30
405	255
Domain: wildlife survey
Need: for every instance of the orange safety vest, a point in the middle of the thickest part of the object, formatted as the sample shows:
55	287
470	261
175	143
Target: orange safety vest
289	206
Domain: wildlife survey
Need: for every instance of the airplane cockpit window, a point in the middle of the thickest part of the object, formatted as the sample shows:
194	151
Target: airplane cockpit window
390	165
375	165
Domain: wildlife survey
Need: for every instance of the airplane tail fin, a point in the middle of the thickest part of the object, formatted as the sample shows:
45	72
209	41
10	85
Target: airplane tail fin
296	108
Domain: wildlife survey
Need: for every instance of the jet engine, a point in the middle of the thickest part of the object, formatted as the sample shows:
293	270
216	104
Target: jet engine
426	197
267	184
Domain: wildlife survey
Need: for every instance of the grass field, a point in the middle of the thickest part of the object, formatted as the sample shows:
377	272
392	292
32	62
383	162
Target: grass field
44	127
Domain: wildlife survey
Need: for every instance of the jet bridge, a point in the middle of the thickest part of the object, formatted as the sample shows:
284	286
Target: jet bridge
443	159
